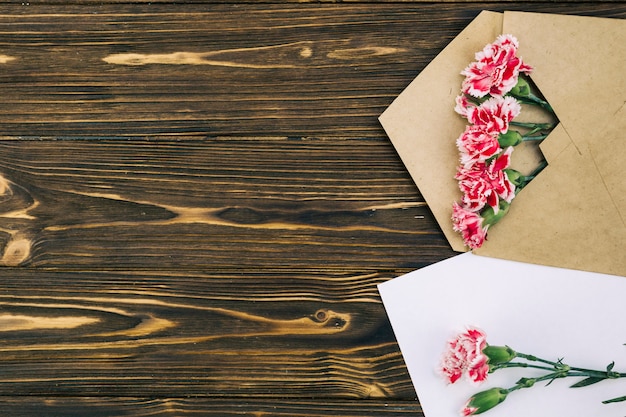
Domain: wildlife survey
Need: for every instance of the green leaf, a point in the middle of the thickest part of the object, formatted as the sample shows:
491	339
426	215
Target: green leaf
610	366
587	381
615	400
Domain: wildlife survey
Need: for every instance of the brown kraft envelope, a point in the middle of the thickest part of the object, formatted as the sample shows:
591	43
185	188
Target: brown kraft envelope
573	214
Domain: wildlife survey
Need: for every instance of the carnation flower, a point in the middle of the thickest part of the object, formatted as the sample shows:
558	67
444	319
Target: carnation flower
463	104
464	356
477	144
470	224
486	183
495	114
496	69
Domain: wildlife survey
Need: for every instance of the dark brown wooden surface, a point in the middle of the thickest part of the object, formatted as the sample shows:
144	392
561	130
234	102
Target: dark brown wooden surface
198	203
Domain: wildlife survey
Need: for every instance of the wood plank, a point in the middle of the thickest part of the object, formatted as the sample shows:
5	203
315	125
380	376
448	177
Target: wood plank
246	3
174	407
268	252
222	70
277	334
213	204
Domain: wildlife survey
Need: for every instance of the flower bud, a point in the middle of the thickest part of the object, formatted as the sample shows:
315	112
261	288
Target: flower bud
499	354
521	89
510	138
483	401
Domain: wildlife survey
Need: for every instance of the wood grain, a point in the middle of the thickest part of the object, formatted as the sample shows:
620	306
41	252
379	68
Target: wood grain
269	257
221	69
212	203
174	407
264	334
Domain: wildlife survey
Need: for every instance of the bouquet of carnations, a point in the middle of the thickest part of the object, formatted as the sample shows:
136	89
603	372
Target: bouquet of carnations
495	88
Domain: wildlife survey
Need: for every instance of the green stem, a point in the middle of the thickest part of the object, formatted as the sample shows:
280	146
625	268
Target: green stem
533	99
524	180
533	358
550	376
529	138
599	374
524	382
535	126
571	370
520	365
537	170
540	127
557	370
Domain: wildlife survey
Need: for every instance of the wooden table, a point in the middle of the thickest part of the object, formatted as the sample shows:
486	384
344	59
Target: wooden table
198	203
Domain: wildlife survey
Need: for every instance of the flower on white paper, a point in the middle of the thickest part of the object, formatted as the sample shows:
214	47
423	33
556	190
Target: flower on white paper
469	354
464	356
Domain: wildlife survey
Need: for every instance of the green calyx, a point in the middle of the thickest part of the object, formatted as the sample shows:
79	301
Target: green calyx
490	217
499	354
515	177
510	138
521	89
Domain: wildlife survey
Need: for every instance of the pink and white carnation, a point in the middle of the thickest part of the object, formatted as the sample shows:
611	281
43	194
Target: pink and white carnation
485	183
495	114
463	104
470	224
464	356
495	70
477	144
488	101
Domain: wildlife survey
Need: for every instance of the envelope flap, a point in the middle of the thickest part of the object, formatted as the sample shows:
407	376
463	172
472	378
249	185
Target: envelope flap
579	66
422	125
566	217
579	69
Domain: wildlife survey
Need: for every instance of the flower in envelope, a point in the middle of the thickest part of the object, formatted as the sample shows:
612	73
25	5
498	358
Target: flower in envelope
491	99
451	129
496	69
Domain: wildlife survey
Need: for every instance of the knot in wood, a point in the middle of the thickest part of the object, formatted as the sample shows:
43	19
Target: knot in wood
321	315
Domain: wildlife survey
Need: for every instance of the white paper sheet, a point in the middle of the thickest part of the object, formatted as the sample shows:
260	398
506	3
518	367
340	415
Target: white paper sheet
548	312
